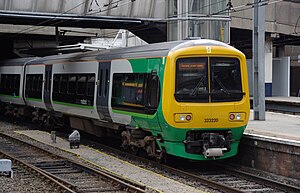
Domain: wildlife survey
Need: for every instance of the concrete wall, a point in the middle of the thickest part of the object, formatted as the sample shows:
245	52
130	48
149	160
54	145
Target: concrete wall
277	77
281	17
125	8
281	77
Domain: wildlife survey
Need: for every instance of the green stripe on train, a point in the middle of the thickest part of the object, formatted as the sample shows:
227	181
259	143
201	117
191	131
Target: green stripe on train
140	115
10	96
35	99
73	105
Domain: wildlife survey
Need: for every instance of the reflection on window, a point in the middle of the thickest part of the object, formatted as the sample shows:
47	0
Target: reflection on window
63	84
72	84
34	85
81	85
191	79
10	84
74	88
56	83
135	92
90	85
225	79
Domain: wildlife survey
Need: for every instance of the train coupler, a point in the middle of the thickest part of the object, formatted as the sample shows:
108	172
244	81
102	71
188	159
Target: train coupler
209	144
214	152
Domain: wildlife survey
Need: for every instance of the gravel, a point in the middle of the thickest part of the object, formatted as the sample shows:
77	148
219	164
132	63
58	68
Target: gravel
23	181
107	162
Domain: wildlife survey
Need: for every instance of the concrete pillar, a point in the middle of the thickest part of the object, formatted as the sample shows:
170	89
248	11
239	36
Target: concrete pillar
182	12
259	60
124	38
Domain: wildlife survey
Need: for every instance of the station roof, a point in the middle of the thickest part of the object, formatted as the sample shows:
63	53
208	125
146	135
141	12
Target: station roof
148	30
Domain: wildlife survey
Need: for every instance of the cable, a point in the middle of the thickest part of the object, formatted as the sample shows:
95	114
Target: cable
295	29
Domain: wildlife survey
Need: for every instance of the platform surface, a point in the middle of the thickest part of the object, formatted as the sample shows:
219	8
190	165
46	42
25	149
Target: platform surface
284	99
278	125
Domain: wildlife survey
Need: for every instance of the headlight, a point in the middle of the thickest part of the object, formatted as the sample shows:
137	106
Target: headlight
183	117
237	116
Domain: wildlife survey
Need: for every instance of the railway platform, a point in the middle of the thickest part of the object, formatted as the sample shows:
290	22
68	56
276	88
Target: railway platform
272	145
278	125
289	105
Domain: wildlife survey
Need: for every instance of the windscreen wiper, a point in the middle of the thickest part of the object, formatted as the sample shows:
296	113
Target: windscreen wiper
223	88
199	84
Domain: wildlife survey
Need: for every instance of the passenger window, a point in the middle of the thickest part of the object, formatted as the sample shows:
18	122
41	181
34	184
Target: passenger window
72	84
81	85
17	82
12	82
56	83
34	83
63	84
91	85
2	81
135	92
40	82
28	82
7	82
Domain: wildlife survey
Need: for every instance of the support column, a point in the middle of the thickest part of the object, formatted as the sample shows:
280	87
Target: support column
56	36
182	12
259	60
124	37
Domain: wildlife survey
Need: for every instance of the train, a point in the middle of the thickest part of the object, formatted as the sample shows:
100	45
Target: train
188	98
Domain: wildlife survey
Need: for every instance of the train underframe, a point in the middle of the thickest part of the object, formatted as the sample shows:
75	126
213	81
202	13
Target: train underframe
132	139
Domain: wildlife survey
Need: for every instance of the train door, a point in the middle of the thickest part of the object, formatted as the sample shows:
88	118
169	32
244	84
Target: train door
47	87
153	92
103	90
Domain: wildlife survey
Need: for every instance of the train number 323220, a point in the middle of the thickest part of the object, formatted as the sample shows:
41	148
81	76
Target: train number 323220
211	120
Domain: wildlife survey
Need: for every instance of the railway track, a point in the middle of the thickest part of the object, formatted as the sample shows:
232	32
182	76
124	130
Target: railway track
69	175
221	177
28	173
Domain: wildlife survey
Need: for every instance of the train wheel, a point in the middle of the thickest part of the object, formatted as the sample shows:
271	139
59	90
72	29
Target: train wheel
162	157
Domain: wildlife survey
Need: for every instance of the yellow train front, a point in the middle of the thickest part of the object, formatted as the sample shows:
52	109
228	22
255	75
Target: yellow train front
205	101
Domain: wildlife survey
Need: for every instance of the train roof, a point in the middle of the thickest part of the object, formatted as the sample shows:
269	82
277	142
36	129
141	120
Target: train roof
17	61
150	50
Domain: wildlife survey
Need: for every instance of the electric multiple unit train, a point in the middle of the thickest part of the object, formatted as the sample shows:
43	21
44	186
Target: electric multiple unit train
186	98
